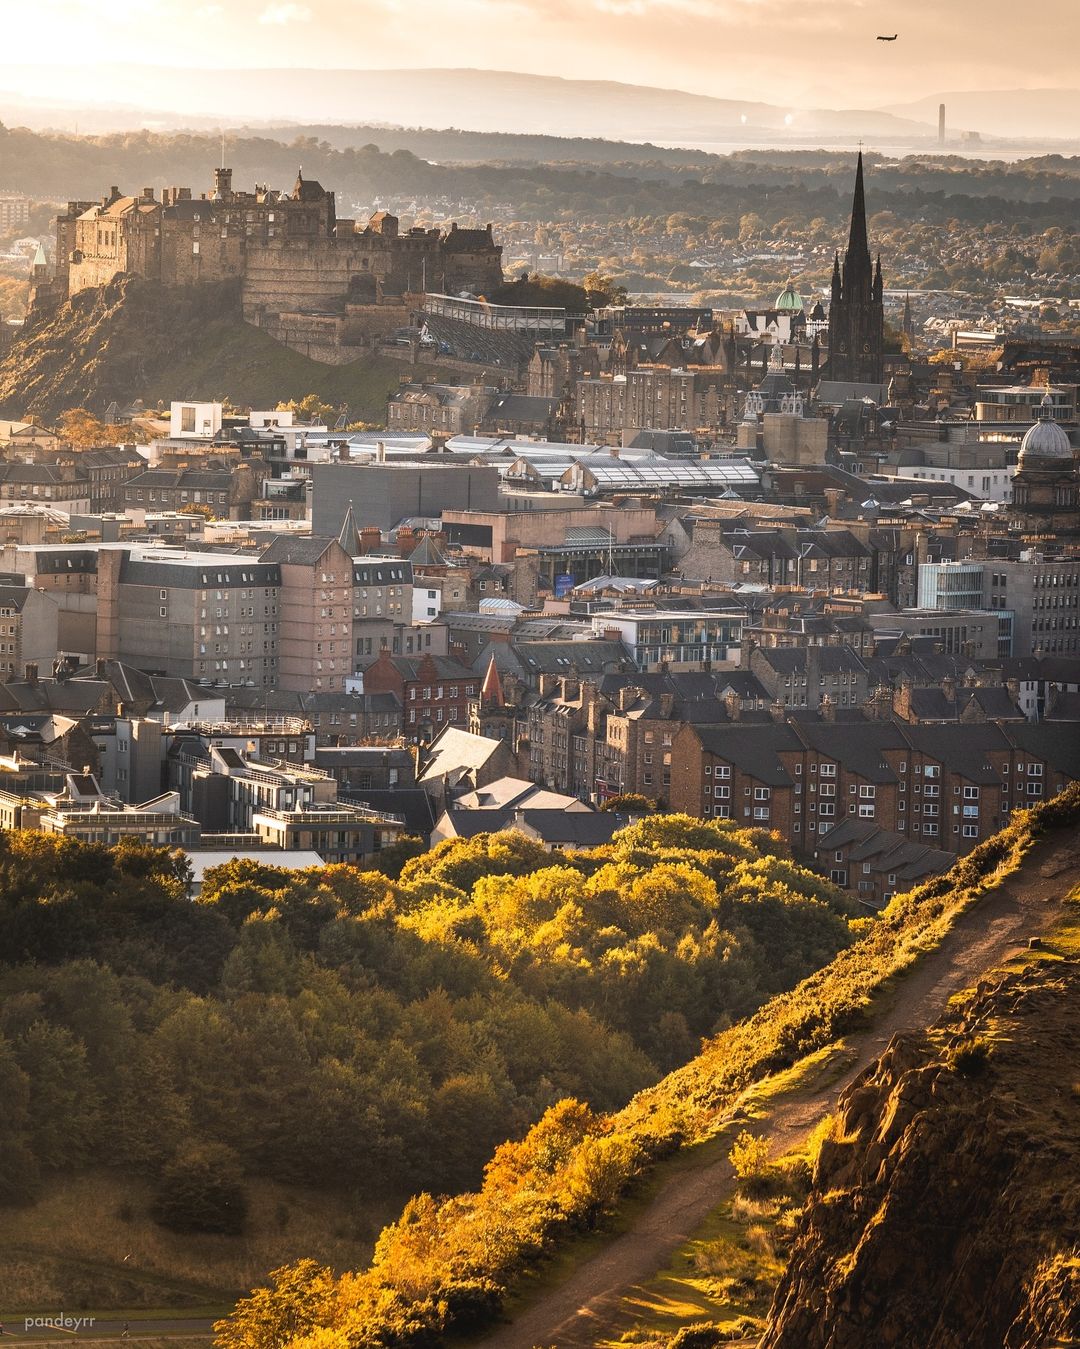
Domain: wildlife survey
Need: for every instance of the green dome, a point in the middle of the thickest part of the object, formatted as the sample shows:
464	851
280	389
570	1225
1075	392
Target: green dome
789	300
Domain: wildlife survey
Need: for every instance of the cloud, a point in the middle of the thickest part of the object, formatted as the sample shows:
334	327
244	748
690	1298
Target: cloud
287	12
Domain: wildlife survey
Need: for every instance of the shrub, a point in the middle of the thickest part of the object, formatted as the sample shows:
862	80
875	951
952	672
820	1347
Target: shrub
969	1058
750	1160
201	1190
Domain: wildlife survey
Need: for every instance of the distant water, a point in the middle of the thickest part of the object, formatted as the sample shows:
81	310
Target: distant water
893	150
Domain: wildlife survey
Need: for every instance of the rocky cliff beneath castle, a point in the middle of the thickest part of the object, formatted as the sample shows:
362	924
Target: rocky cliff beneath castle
139	339
946	1208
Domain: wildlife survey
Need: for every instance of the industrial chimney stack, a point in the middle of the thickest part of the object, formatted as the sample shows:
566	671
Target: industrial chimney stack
941	124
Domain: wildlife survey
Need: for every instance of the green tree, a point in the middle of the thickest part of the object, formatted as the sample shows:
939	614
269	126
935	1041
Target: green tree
201	1190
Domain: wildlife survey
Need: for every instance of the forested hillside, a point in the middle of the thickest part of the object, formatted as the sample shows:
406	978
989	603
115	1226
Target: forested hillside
448	1265
343	1029
775	185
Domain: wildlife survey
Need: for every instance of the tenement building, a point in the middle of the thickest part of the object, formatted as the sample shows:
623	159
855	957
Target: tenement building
949	786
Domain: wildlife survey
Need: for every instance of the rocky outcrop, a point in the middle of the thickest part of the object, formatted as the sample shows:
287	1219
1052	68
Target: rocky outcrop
945	1210
108	343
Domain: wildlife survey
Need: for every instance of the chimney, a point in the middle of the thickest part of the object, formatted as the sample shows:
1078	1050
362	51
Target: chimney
31	673
827	708
547	684
1013	688
380	452
733	705
833	496
667	705
148	194
902	699
948	688
778	712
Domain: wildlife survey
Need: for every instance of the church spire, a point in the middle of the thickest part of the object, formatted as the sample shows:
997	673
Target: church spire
858	245
491	692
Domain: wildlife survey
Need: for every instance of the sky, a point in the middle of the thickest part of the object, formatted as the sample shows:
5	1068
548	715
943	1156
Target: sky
796	52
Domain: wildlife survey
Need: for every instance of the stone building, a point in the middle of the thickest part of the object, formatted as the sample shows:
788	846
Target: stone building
289	249
1046	485
948	786
856	311
453	408
316	606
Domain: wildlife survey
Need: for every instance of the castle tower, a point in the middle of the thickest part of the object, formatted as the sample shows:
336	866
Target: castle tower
222	184
856	311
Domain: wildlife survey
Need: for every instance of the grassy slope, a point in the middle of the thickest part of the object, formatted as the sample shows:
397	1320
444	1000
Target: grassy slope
133	339
90	1243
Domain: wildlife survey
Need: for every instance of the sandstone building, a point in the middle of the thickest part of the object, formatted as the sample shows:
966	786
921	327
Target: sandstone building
294	258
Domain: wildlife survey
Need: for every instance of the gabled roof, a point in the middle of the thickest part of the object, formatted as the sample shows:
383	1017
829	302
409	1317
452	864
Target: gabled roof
297	550
455	752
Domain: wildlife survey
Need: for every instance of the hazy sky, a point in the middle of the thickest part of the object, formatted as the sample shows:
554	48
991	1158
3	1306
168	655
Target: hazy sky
805	52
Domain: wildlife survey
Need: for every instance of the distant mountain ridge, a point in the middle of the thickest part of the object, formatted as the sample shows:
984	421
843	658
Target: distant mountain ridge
477	100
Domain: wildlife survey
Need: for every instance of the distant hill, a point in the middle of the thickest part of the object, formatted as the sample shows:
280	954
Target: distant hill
479	100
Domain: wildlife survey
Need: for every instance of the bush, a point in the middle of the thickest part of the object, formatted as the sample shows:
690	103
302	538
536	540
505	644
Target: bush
969	1058
750	1160
201	1190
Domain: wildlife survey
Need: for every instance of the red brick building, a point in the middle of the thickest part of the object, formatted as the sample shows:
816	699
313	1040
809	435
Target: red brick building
434	691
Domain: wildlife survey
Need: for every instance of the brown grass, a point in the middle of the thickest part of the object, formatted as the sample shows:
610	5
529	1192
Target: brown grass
90	1243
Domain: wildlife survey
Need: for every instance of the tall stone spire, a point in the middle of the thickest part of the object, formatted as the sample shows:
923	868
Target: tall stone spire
858	245
856	312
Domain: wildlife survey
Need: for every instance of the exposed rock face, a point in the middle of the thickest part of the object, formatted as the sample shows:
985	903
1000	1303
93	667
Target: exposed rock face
946	1213
107	344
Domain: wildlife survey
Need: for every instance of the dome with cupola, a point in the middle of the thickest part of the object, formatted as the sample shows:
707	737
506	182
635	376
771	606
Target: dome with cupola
1046	442
789	301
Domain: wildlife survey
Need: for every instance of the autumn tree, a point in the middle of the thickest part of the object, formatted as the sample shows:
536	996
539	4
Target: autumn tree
83	430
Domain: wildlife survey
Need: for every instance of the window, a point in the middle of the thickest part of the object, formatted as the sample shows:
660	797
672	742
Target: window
867	793
723	771
931	770
828	770
971	793
866	812
762	793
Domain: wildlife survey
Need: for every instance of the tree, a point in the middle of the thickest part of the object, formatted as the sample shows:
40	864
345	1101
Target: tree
83	430
601	291
201	1190
310	408
300	1299
197	508
629	803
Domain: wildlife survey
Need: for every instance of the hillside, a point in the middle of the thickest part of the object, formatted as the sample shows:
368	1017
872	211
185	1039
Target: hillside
134	339
945	1208
218	1087
453	1264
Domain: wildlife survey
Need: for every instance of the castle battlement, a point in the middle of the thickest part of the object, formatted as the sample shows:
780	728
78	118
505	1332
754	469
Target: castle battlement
288	249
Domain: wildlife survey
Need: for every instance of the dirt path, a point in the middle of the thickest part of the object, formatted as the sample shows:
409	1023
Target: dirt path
578	1311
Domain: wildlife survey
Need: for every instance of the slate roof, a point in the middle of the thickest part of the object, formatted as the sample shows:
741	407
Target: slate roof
754	750
580	828
303	550
858	745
